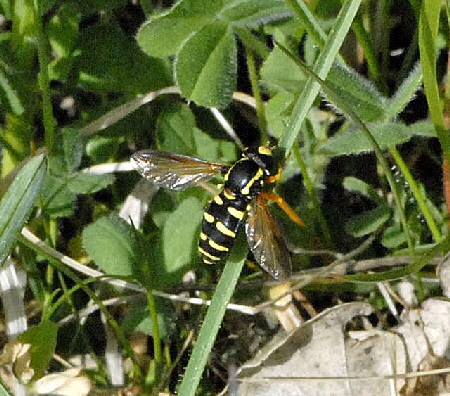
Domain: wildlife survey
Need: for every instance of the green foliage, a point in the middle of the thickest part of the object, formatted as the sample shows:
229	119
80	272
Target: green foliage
215	55
179	243
177	131
201	35
18	202
118	64
65	182
353	141
111	242
43	342
87	83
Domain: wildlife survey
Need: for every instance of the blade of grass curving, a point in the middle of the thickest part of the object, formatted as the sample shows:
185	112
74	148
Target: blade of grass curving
210	327
334	97
308	21
418	194
428	34
18	201
439	249
365	41
321	67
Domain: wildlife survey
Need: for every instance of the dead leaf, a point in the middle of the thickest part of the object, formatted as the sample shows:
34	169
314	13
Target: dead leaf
430	385
424	328
66	383
316	349
17	354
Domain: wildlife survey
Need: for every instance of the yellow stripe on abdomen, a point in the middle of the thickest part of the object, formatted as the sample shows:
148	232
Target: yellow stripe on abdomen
225	230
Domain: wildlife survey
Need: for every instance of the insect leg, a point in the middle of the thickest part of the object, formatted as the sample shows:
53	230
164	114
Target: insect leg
284	206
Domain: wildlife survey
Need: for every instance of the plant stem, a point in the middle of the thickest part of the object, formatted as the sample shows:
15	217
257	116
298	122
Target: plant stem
43	77
417	194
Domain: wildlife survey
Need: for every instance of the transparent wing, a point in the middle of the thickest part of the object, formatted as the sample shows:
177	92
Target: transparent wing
174	171
266	242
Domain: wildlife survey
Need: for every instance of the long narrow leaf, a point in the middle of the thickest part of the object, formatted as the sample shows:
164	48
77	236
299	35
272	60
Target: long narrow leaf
210	327
321	68
18	201
428	33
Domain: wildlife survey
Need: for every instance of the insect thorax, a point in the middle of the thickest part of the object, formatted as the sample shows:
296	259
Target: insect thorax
247	177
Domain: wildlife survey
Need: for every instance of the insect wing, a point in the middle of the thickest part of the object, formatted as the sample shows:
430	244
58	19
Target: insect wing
266	242
174	171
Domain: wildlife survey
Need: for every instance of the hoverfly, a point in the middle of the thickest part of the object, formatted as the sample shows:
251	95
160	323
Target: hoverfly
243	197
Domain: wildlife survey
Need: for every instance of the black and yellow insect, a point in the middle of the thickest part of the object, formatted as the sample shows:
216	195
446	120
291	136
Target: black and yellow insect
243	197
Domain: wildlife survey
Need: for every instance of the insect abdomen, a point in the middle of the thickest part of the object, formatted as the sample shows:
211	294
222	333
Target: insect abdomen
221	220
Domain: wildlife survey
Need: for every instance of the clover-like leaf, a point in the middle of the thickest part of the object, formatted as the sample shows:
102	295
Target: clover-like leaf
206	66
112	243
352	141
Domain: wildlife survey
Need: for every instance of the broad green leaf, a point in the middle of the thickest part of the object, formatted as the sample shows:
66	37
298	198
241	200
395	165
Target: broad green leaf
357	185
111	61
282	74
100	148
174	130
321	68
84	183
161	37
63	32
367	222
180	235
277	110
72	148
423	128
251	13
404	93
353	141
90	7
208	148
394	237
206	66
137	319
357	92
112	244
18	202
177	131
192	8
43	342
57	199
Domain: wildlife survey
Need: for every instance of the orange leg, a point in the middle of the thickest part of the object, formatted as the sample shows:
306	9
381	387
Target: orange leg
284	206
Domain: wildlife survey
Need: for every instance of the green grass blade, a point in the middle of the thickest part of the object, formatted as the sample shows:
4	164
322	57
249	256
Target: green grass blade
404	93
335	97
308	21
321	68
18	201
439	249
210	327
428	35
